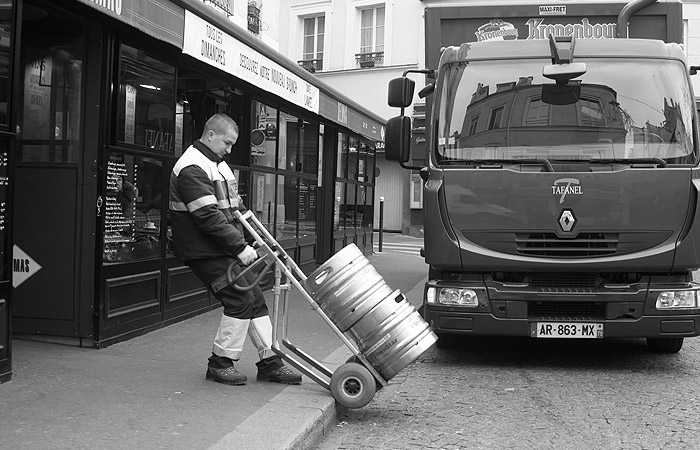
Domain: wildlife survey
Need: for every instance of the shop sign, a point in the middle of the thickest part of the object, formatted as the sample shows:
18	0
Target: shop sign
160	19
211	45
23	266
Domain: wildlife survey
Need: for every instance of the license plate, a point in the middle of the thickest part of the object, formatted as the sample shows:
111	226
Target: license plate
567	330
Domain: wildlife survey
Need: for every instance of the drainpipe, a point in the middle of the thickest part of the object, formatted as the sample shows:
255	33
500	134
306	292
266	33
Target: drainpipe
627	11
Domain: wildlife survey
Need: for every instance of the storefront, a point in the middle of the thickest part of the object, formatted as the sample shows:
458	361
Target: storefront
105	100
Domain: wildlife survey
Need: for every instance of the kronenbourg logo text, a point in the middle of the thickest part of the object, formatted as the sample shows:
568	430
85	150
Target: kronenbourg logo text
565	186
496	30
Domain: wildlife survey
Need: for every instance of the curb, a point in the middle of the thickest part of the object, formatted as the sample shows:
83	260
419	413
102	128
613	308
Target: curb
296	418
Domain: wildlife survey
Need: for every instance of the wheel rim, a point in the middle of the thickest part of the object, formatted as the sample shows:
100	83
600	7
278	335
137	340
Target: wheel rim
352	386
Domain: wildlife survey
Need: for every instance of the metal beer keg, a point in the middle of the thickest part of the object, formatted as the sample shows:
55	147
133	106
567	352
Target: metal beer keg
346	287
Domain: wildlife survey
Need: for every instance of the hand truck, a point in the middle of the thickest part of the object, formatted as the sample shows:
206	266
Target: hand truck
355	382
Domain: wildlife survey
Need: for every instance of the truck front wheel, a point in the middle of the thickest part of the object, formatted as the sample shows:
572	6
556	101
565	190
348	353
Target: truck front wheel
665	345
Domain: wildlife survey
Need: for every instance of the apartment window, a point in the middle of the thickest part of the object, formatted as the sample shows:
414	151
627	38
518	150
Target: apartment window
537	113
591	113
314	31
371	37
473	125
495	118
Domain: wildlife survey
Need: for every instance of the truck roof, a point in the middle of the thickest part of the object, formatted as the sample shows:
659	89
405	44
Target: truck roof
539	48
449	3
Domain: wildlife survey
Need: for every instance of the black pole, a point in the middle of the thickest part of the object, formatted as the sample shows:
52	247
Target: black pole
381	222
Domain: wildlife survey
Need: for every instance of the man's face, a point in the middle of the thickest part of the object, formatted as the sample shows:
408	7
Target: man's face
220	143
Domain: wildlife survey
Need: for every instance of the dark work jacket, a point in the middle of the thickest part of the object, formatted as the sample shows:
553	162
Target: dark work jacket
203	197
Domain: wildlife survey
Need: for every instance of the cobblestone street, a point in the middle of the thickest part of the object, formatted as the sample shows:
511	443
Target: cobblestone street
527	394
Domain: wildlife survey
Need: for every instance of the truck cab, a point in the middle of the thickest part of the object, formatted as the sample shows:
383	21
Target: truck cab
561	189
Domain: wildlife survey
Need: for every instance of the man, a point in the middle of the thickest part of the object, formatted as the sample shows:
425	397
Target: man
203	197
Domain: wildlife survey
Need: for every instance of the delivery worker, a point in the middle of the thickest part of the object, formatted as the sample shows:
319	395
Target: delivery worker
207	237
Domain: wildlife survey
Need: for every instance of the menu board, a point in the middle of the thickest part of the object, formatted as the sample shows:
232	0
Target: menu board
120	212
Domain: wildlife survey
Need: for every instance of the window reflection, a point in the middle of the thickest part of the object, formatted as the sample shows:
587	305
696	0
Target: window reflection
50	103
146	110
263	136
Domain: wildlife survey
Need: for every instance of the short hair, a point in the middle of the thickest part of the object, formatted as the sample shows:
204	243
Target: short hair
220	123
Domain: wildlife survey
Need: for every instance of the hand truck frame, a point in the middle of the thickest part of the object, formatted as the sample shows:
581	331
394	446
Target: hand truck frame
355	382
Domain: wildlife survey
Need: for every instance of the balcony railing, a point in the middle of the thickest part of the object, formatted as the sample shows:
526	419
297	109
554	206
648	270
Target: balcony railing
369	59
311	65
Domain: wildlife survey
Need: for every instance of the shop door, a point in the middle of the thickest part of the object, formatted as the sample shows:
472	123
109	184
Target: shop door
47	197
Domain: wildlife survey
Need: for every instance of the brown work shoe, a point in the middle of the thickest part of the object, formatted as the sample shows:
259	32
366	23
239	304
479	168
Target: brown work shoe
272	369
228	375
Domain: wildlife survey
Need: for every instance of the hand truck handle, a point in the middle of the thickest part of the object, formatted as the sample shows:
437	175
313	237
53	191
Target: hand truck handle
232	279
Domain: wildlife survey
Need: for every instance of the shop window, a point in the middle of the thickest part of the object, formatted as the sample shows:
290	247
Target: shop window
370	165
339	209
50	97
262	201
6	13
287	215
306	208
133	206
147	103
353	159
263	136
368	217
342	167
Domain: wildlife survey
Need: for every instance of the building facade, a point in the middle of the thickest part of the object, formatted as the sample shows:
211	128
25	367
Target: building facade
98	98
357	46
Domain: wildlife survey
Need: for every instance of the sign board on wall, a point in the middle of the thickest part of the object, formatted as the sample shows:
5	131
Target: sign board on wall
211	45
23	266
161	19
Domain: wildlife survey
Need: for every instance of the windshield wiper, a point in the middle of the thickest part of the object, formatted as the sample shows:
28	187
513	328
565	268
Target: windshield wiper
630	161
545	162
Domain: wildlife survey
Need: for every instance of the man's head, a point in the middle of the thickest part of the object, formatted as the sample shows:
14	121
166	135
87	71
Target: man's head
220	133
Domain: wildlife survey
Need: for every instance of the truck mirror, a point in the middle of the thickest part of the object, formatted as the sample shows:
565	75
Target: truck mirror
426	91
398	139
562	73
401	92
561	94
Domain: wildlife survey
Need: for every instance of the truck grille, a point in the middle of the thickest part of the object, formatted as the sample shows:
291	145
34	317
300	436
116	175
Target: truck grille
563	281
582	246
566	310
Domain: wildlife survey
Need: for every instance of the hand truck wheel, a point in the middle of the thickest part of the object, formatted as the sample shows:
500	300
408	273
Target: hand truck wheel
354	359
352	385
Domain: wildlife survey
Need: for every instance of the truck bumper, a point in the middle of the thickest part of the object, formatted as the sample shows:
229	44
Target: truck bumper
448	321
518	310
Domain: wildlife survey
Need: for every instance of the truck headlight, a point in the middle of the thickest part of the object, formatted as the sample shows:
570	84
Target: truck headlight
453	296
677	300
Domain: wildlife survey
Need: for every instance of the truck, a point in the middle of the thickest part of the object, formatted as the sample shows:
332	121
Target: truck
560	178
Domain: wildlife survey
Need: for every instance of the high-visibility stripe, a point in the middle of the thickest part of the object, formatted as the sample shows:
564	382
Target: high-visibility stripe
177	206
201	202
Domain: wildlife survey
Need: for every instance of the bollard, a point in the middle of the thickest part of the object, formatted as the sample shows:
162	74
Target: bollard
381	222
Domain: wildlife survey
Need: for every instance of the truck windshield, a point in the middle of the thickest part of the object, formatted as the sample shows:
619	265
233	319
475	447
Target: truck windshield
618	110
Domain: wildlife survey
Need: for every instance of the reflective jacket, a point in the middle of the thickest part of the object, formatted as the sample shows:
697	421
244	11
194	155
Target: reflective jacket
203	196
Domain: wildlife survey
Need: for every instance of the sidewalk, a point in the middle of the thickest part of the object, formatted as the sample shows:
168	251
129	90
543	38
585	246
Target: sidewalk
150	393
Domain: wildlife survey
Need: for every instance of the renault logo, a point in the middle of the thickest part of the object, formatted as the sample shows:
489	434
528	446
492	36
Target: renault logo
567	220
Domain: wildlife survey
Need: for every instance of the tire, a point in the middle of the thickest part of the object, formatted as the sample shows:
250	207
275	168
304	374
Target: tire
354	359
665	345
352	385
